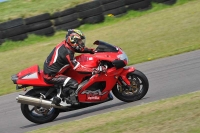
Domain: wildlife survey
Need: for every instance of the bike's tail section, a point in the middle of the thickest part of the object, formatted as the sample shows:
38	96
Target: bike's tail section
31	76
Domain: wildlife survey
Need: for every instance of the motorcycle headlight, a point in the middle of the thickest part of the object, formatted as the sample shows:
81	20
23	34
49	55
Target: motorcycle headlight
123	56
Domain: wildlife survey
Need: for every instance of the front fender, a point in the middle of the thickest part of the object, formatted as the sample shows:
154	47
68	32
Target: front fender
124	73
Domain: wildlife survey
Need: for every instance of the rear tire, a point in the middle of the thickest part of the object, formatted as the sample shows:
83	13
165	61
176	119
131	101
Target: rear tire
139	82
32	114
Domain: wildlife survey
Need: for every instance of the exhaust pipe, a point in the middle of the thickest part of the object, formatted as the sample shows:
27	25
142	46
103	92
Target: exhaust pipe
37	102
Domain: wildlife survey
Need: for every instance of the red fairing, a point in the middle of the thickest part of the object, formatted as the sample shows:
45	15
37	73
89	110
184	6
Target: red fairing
92	60
86	95
76	75
111	77
31	76
88	60
109	56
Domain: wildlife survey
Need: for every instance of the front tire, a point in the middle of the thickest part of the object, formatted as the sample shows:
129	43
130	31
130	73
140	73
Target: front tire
38	114
139	85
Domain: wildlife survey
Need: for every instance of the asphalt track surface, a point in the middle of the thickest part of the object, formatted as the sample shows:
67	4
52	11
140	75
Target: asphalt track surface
168	77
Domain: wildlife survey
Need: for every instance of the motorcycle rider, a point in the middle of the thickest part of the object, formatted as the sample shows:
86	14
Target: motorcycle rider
61	59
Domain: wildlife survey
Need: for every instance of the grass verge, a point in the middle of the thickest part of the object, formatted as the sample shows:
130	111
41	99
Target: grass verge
146	36
177	115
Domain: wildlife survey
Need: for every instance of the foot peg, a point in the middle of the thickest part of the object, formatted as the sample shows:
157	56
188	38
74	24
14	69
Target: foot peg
56	101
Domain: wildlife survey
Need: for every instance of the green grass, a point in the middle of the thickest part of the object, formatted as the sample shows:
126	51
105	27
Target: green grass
144	36
174	115
26	8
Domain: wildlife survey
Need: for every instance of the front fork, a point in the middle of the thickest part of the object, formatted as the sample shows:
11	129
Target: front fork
123	80
124	75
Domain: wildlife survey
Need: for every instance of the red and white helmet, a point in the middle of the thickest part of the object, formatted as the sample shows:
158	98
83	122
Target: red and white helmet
76	39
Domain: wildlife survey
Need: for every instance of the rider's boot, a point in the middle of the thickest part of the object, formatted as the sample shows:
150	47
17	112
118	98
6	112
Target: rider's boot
57	99
61	101
73	97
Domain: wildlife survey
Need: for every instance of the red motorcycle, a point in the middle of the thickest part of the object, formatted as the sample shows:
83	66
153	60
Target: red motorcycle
127	84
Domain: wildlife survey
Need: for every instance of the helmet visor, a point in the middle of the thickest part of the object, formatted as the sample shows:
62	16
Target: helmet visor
81	42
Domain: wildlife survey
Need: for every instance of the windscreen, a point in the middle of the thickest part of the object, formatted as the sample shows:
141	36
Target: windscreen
105	47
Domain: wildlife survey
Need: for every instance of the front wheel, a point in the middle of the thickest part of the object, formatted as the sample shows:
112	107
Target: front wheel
137	90
39	114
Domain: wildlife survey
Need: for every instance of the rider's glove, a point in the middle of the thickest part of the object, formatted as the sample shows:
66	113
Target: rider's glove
99	69
91	51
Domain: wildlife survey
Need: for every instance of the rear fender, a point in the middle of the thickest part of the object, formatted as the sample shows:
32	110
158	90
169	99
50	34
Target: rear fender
125	72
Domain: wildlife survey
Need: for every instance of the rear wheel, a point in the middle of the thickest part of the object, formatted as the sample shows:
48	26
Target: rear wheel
39	114
137	90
